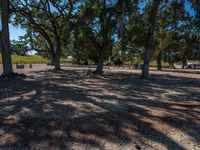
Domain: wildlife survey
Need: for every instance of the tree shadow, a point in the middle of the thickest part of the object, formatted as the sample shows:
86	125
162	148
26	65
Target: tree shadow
75	108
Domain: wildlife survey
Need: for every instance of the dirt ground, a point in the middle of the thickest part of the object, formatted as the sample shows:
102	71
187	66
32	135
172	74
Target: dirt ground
74	109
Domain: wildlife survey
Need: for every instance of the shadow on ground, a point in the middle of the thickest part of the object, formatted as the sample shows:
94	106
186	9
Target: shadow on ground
74	108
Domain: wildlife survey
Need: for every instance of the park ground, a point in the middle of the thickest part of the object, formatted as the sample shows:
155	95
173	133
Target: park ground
75	109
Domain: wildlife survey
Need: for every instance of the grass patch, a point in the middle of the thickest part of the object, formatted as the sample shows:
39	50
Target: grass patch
154	64
33	59
27	59
66	60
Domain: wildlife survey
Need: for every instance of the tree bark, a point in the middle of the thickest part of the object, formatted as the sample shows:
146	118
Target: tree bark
99	69
49	41
149	41
171	66
51	51
159	61
5	41
104	35
52	59
78	56
57	61
57	56
184	62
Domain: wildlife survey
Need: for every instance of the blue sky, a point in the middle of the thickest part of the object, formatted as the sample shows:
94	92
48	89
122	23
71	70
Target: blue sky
15	32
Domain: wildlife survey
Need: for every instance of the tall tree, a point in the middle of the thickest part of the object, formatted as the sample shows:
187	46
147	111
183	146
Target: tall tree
100	20
5	40
150	38
51	19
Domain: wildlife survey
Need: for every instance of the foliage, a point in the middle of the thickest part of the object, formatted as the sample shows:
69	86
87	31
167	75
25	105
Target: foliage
19	47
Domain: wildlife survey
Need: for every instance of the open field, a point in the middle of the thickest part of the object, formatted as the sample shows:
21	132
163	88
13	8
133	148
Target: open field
26	59
74	109
32	59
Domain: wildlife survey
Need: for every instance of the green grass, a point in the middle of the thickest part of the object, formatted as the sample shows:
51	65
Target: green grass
154	64
27	59
38	59
31	59
66	60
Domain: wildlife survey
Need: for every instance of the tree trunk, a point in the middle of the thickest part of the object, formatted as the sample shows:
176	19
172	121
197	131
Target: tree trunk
57	56
5	41
52	56
78	57
184	62
159	61
99	69
171	65
51	52
57	61
50	43
183	65
149	41
52	59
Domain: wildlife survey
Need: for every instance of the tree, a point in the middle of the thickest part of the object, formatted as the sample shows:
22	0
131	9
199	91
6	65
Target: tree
81	50
150	38
51	19
175	27
5	40
19	47
100	23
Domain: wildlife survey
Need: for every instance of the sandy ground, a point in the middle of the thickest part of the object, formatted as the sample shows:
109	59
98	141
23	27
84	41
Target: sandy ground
74	109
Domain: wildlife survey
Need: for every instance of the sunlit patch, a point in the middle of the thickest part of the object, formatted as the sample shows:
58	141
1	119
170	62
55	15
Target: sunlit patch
57	133
179	136
177	107
29	95
25	110
47	108
7	138
44	144
81	108
158	112
12	119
